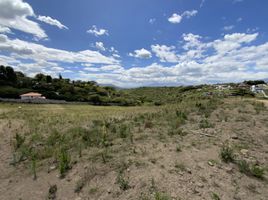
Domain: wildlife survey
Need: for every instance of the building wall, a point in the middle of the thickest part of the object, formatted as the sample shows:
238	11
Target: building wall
29	97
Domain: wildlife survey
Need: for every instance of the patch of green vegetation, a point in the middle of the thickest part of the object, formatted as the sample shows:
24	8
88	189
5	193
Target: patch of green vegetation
227	153
64	161
161	196
215	196
122	182
204	123
254	170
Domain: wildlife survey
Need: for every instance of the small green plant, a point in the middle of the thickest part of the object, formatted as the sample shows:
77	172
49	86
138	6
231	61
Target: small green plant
52	192
33	165
178	148
19	140
161	196
204	123
243	167
215	196
254	170
64	162
227	153
123	183
257	171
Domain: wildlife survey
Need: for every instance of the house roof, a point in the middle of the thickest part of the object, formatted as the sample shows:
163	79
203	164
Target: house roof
32	94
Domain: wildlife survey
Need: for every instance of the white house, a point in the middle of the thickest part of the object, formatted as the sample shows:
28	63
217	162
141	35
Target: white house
31	95
258	88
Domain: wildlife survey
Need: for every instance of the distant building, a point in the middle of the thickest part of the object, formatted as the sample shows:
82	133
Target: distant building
223	87
31	95
258	88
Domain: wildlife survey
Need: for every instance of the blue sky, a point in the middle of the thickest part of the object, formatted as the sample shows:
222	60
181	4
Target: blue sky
137	43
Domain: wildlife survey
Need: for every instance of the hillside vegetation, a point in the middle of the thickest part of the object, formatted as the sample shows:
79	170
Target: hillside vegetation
198	148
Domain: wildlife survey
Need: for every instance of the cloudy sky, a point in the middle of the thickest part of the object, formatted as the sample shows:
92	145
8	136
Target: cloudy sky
137	43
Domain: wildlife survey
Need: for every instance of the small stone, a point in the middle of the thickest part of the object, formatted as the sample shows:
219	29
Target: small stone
109	191
210	163
200	185
229	169
189	170
244	151
235	137
52	167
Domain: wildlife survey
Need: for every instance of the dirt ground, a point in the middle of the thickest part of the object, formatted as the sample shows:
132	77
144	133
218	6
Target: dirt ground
155	165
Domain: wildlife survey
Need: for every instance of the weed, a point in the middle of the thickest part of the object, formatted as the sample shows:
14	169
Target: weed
19	140
52	192
227	154
215	196
161	196
123	183
64	162
178	148
204	123
254	170
257	171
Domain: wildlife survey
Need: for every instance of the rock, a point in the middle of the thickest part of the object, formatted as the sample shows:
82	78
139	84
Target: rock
229	169
210	163
244	151
200	185
189	170
235	137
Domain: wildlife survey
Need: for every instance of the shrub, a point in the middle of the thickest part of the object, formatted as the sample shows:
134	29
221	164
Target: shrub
227	154
257	171
254	170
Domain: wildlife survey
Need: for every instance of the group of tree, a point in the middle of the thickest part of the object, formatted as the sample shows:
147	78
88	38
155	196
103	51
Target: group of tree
14	83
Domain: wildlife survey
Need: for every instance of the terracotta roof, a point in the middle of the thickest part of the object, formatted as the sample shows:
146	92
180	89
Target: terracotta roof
31	94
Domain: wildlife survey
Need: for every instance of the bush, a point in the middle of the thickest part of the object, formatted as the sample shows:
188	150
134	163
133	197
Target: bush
255	170
227	154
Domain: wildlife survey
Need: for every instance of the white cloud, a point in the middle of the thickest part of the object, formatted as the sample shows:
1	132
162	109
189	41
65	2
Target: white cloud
189	14
202	3
165	53
51	21
141	53
28	50
14	14
4	29
97	32
228	28
100	46
176	18
233	57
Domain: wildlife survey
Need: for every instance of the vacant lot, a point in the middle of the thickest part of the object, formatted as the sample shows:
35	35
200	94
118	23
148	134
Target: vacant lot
197	149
